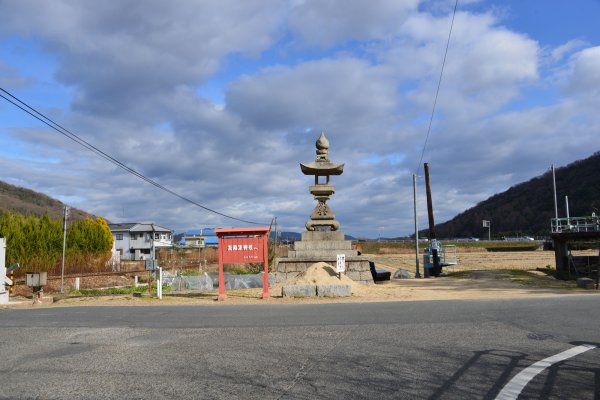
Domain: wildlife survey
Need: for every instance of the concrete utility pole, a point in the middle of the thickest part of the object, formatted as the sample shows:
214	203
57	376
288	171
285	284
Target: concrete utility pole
417	273
436	264
62	269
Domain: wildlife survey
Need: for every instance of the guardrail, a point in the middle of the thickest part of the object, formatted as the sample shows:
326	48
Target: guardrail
575	224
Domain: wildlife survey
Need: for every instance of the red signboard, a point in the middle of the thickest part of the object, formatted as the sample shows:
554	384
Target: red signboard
243	245
242	249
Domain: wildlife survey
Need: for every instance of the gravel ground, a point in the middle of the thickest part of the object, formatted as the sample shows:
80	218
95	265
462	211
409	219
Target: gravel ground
483	276
480	285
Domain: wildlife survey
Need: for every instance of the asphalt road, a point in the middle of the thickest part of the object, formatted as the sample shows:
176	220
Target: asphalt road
394	350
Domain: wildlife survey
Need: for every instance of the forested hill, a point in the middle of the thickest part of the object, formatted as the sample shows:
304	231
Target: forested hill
28	202
527	208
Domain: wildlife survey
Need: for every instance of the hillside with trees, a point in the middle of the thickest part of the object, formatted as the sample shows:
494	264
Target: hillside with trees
28	202
527	208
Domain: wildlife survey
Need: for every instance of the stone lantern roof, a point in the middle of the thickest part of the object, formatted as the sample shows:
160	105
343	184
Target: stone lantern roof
322	166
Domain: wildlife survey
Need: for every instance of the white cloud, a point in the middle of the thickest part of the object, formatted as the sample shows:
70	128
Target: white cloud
584	74
119	54
558	53
485	68
324	23
345	96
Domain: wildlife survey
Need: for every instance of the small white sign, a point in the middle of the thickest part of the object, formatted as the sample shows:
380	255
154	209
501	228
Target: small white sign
341	263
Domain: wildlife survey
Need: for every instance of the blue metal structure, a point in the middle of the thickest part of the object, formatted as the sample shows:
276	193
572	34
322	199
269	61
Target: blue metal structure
446	255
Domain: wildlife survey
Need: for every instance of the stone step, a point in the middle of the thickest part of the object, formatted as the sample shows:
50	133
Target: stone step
324	245
315	236
321	253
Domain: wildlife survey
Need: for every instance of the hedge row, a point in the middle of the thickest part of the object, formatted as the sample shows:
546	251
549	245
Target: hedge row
36	242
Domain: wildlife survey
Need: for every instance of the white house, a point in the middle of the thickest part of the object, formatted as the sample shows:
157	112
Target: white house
205	237
135	241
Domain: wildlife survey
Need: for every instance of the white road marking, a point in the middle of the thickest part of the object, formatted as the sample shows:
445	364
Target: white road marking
513	388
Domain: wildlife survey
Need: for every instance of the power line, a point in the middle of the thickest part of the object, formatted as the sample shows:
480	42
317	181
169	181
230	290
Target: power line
72	136
437	92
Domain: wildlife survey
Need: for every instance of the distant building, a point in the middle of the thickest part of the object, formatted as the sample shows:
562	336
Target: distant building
134	241
199	238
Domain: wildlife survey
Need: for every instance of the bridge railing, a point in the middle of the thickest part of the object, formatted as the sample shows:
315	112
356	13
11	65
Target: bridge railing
575	224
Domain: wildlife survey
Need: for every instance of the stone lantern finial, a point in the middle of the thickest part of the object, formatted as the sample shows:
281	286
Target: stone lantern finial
322	147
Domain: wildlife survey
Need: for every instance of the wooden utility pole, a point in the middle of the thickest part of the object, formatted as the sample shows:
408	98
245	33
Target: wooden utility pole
436	264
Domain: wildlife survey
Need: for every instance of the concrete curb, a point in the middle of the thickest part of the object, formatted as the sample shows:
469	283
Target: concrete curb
299	290
317	290
334	290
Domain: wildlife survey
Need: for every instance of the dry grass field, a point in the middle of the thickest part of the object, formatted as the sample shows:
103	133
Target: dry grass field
478	260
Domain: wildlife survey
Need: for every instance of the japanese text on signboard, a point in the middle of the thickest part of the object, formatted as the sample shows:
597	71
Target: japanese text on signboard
242	250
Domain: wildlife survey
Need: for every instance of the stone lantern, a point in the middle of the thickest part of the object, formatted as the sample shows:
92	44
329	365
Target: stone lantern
323	240
322	218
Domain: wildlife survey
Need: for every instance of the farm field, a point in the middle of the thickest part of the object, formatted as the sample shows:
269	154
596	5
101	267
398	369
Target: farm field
477	260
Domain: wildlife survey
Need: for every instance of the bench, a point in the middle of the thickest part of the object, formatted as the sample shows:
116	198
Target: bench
379	274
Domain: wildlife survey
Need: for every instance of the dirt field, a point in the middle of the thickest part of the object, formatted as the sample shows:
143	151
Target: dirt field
477	260
484	275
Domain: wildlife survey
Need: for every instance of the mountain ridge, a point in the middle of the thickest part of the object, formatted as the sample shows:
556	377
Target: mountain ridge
528	207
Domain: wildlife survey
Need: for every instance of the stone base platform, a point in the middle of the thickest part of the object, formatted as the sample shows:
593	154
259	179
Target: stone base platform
357	267
318	244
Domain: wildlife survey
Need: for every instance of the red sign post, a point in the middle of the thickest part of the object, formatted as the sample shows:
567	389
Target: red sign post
241	246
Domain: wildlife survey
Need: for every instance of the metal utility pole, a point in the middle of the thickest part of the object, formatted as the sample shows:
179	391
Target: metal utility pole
432	242
62	269
567	206
417	273
555	202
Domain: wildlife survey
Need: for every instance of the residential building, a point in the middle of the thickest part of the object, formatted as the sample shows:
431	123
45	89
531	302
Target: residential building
135	241
205	237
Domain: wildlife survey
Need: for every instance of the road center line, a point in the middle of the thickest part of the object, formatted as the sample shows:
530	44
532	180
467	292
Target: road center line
513	388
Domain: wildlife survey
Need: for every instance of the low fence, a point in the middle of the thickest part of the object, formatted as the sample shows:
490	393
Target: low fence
75	264
172	259
211	282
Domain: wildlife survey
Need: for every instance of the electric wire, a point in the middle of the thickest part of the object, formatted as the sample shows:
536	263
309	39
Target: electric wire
75	138
437	92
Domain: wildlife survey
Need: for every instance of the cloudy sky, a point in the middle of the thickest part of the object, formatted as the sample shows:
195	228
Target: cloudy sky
220	100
